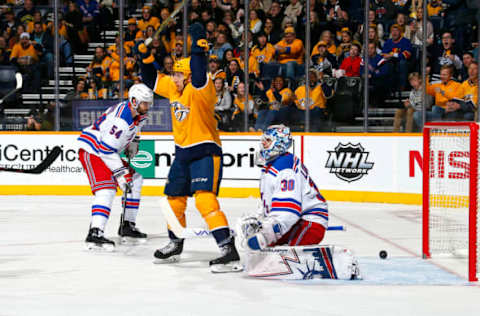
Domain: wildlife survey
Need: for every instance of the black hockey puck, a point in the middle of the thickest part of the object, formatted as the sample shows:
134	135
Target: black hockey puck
383	254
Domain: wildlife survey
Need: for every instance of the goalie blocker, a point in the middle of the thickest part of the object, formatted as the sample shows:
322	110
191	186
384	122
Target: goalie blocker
303	263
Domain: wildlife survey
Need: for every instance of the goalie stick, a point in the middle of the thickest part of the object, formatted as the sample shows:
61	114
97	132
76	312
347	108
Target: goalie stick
52	155
193	232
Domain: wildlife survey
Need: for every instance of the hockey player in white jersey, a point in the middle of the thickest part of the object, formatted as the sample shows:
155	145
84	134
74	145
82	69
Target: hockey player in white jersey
293	213
293	210
101	143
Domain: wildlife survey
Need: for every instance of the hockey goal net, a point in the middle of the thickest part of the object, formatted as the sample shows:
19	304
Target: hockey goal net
450	192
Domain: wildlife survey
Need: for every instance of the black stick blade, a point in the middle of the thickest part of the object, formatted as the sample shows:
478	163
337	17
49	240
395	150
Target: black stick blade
52	156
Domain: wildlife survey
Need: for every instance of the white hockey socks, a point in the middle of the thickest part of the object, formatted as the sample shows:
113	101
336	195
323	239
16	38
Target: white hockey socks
102	204
133	199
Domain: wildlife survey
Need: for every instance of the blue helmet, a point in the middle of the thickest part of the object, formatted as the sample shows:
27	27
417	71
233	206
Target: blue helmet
275	141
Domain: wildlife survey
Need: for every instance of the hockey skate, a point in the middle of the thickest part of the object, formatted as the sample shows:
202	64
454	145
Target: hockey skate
170	253
96	241
229	261
129	233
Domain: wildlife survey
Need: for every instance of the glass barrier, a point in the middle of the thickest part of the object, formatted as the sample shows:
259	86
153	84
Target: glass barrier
62	63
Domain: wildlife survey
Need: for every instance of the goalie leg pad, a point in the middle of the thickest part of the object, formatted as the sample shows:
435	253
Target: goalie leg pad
303	262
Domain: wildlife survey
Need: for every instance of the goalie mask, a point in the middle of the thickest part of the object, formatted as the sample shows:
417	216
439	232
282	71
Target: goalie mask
141	93
275	141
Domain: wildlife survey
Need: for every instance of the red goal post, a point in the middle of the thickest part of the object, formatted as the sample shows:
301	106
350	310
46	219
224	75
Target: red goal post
450	192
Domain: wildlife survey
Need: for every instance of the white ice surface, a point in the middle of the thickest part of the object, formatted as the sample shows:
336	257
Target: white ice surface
45	271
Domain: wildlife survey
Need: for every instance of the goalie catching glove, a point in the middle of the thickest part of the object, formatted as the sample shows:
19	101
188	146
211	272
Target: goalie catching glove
264	234
124	179
132	148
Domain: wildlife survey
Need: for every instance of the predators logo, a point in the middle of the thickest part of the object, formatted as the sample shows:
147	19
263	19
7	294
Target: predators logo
302	103
180	111
260	58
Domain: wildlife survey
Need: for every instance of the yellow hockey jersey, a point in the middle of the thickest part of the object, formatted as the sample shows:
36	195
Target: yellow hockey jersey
470	91
286	94
193	122
317	97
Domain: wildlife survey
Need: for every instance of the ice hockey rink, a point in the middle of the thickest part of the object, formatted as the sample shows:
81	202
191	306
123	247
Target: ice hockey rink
44	269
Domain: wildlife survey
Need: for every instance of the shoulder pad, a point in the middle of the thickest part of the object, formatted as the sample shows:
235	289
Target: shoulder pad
285	161
123	112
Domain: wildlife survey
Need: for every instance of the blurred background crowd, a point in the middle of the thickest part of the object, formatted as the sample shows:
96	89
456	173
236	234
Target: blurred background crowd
90	51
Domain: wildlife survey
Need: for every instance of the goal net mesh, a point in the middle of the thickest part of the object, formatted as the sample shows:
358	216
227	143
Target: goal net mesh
449	190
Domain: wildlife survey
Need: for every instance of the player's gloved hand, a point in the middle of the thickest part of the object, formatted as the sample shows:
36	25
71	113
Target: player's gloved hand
270	232
124	180
199	41
249	226
132	148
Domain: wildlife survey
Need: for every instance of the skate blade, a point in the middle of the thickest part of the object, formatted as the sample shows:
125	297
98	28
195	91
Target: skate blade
226	268
172	259
90	246
132	241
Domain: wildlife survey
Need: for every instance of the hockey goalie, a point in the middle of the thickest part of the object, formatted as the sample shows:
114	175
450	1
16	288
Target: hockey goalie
282	238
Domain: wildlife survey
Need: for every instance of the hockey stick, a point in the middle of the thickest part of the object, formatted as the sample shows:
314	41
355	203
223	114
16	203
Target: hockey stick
165	23
52	155
124	206
187	232
19	79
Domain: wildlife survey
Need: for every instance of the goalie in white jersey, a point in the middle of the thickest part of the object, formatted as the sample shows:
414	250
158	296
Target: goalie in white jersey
101	143
294	211
292	221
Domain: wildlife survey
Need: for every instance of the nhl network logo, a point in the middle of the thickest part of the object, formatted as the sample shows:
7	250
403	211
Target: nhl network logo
348	162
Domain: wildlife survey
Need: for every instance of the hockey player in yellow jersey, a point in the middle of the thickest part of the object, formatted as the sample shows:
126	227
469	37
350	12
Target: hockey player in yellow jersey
197	168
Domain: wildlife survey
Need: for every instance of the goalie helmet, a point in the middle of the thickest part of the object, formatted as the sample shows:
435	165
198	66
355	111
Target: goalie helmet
141	93
275	141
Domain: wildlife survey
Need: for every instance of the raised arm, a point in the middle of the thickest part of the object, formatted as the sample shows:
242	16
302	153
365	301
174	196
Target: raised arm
198	60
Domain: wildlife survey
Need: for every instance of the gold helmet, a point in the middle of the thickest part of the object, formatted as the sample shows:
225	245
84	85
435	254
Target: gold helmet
183	66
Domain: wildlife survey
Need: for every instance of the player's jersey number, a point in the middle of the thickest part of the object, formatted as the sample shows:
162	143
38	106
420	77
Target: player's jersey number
114	131
287	185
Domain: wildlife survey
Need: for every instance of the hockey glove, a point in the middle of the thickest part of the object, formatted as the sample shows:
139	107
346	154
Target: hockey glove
199	38
124	179
249	226
132	148
269	234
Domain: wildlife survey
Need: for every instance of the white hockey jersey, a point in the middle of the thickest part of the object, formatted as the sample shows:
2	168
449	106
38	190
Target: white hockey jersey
288	193
111	134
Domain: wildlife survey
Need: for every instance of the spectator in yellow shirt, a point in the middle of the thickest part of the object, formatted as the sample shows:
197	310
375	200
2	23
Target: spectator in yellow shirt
434	8
262	53
148	19
99	68
465	108
290	53
317	100
280	99
443	92
239	107
132	34
25	56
